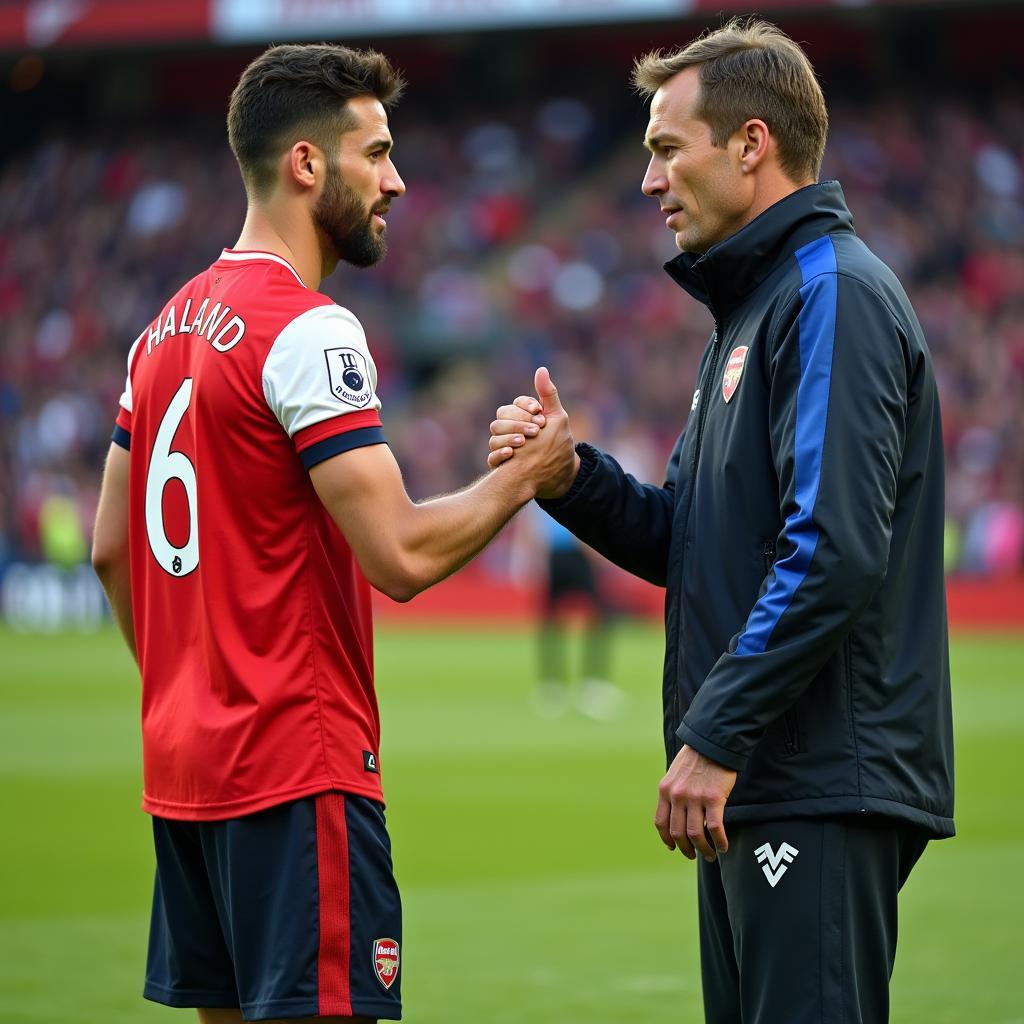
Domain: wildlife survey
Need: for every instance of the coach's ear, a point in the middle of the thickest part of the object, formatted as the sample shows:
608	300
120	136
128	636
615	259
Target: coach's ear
750	144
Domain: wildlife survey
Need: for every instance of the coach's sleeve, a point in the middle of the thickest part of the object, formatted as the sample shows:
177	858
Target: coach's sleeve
628	522
321	384
837	421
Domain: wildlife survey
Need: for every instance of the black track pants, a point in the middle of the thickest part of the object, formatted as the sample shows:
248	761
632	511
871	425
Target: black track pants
798	921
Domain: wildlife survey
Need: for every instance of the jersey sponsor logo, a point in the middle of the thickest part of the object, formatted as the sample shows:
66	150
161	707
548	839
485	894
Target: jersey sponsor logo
733	371
775	864
349	376
370	762
696	399
385	961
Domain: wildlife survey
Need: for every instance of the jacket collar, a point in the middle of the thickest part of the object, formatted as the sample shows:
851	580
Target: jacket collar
733	268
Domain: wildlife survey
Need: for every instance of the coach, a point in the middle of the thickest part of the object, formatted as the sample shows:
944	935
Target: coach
799	537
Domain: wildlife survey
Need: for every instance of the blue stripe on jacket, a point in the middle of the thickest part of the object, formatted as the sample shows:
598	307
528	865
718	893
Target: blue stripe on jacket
817	331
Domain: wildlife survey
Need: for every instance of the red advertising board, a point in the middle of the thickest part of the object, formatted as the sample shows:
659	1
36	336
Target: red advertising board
41	24
472	596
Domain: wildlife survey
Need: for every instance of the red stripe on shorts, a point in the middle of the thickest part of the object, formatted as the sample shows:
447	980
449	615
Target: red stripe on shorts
335	994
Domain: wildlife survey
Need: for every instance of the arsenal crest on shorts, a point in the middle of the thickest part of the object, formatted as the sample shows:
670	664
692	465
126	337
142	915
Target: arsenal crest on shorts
385	961
733	371
349	376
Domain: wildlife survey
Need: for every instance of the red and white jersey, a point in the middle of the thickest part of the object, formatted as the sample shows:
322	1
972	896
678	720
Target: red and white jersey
252	618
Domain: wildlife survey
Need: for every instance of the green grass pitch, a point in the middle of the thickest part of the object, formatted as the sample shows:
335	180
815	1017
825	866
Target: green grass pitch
535	887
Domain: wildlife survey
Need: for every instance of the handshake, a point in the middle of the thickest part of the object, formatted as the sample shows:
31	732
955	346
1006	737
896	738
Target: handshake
532	436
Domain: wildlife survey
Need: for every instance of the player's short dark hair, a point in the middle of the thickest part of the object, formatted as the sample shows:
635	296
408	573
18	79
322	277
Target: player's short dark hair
750	68
298	92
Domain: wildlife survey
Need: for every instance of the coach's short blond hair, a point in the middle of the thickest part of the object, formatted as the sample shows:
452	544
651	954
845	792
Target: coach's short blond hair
750	68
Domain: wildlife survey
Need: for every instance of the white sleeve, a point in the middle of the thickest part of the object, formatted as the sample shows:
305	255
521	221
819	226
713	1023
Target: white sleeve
319	368
126	396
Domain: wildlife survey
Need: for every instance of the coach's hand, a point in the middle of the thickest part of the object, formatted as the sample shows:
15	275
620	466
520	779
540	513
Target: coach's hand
691	805
552	456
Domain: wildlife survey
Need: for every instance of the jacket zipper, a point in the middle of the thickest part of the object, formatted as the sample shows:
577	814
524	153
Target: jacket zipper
703	414
768	552
701	417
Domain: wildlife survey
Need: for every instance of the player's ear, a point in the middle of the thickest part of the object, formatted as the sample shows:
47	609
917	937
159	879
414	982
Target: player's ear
303	158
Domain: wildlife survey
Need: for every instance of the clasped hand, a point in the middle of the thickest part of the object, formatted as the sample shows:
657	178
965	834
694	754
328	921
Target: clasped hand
536	431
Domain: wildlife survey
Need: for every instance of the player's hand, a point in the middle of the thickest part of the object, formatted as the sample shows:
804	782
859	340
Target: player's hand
691	805
513	425
547	458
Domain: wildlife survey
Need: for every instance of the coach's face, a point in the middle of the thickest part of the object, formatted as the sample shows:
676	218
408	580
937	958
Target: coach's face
701	188
358	188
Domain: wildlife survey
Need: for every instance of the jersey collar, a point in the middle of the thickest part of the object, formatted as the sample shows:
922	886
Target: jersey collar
252	255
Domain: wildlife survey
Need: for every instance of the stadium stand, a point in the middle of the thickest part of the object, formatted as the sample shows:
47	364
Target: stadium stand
523	239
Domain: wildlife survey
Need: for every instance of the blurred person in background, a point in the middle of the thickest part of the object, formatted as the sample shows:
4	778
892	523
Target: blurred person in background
799	533
248	502
572	591
571	595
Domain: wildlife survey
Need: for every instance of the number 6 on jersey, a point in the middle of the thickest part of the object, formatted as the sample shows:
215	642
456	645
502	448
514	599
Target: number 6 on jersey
165	465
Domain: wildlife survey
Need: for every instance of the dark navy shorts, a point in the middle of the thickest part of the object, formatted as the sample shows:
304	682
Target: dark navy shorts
291	912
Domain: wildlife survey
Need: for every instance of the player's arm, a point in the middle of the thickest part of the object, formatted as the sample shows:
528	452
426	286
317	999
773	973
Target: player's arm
320	382
404	547
110	542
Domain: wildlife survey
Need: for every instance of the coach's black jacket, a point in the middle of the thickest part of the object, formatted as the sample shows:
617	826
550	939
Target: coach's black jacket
799	532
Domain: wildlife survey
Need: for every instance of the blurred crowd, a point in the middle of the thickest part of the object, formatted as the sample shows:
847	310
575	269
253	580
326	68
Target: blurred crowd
523	239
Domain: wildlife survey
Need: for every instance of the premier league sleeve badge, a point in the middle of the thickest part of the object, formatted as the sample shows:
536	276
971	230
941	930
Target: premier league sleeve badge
349	376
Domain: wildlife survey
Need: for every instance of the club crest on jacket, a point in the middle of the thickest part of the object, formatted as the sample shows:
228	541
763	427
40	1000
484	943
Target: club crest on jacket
733	371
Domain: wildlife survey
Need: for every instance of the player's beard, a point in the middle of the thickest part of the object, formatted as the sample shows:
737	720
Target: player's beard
347	224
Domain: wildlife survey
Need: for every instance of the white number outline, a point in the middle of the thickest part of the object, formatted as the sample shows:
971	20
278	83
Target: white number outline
166	465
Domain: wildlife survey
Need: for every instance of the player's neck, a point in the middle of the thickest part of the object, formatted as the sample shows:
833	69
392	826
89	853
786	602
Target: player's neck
296	242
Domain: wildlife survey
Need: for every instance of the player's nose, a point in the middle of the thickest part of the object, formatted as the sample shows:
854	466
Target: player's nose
392	184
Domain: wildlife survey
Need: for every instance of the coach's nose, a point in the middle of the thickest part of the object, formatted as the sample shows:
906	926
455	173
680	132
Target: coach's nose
655	181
